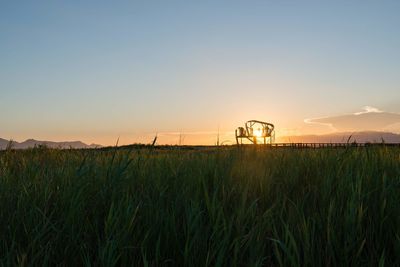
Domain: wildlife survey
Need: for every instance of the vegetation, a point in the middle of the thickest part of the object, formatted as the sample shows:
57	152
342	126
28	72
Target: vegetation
211	207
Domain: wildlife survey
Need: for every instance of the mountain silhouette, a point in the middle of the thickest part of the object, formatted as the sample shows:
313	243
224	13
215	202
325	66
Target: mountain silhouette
30	143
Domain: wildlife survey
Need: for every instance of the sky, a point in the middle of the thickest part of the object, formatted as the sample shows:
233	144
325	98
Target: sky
97	71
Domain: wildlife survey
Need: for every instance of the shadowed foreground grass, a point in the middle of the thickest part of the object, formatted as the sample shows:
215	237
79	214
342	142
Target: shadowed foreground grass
222	207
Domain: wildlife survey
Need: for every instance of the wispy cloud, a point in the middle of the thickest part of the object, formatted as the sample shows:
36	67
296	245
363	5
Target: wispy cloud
370	118
368	109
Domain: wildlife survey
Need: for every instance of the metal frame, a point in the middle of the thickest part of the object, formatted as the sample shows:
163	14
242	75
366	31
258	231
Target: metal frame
247	132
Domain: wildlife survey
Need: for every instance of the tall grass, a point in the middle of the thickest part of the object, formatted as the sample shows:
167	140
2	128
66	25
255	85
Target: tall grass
222	207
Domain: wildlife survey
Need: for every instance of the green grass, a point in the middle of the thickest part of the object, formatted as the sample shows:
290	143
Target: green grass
214	207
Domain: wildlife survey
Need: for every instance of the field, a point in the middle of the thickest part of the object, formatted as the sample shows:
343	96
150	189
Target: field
202	207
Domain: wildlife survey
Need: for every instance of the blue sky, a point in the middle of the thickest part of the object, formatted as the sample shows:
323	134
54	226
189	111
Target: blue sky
99	70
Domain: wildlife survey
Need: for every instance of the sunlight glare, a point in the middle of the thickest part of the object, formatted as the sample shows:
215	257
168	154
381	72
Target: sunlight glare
257	133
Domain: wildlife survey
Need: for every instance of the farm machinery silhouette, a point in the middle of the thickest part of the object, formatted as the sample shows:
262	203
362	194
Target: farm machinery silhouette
256	132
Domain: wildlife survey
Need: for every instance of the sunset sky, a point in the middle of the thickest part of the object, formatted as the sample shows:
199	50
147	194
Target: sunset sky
97	71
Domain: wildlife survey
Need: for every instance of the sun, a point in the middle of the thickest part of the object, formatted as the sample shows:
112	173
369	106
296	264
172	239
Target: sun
257	133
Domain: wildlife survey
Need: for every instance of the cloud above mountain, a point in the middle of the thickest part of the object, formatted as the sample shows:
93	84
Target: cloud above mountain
369	119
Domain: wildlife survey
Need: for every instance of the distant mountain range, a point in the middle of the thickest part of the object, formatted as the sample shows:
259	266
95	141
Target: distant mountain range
32	143
343	137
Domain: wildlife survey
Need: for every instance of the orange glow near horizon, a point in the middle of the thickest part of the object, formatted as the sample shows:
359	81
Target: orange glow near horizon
257	133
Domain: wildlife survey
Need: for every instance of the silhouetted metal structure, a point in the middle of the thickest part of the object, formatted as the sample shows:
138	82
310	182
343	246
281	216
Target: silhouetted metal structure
255	130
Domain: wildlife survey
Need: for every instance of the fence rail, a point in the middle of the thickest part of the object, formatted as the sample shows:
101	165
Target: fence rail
330	145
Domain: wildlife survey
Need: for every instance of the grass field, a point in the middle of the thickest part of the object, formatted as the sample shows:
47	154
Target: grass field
211	207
